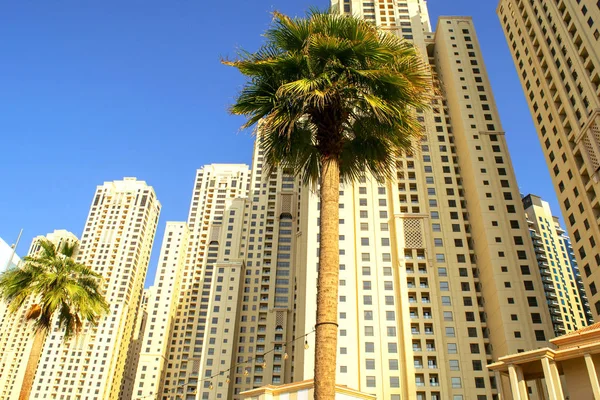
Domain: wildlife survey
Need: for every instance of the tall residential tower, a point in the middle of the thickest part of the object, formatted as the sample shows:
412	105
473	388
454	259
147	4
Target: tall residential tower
156	324
215	187
16	336
116	243
556	49
565	296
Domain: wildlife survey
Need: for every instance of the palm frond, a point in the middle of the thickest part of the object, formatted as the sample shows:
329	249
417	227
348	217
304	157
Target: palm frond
57	286
333	86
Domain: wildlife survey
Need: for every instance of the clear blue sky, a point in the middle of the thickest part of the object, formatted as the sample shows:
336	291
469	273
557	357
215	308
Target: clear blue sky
92	91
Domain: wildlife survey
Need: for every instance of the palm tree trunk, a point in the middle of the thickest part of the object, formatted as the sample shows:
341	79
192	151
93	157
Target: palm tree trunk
327	286
32	363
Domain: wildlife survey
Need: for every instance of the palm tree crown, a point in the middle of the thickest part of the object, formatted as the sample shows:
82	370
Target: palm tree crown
333	87
56	285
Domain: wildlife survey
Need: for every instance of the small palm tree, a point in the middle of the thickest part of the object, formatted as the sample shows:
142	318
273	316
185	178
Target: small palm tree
51	285
333	97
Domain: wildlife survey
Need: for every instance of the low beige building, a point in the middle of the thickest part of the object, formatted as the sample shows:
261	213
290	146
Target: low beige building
301	391
567	371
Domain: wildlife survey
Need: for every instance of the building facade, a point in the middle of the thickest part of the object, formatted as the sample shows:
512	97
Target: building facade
434	281
215	187
565	295
116	242
155	325
556	49
8	258
16	336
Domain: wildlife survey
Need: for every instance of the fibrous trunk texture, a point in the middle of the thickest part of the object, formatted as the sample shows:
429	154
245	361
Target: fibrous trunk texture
32	363
327	286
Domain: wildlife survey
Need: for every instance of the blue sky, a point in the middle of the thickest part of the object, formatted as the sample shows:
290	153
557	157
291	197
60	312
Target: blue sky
92	91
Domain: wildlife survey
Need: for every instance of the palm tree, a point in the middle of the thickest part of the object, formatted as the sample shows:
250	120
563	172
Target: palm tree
50	286
332	97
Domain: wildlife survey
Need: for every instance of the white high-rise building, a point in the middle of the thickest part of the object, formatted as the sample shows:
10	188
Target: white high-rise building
16	336
8	258
116	242
156	324
215	187
565	296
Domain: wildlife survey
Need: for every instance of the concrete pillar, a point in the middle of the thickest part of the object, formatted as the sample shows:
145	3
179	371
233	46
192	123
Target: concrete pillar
591	368
552	379
514	383
499	385
522	383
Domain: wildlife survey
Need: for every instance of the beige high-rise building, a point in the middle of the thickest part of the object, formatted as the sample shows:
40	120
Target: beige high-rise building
16	336
565	297
215	187
556	49
135	347
116	242
156	323
431	281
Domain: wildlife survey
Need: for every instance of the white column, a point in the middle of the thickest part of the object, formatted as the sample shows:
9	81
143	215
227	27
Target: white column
552	379
499	385
514	383
522	383
591	368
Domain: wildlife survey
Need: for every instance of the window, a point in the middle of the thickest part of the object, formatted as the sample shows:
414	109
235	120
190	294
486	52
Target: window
370	381
456	383
454	365
532	301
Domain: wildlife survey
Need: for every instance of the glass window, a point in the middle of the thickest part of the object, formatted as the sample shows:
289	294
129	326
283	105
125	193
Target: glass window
370	381
454	365
392	348
370	363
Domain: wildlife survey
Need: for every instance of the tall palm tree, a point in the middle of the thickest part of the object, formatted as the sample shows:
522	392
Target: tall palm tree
50	286
333	97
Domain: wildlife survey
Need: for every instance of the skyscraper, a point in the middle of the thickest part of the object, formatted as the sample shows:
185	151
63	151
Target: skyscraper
565	296
433	282
16	336
214	189
116	242
155	326
8	258
556	49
